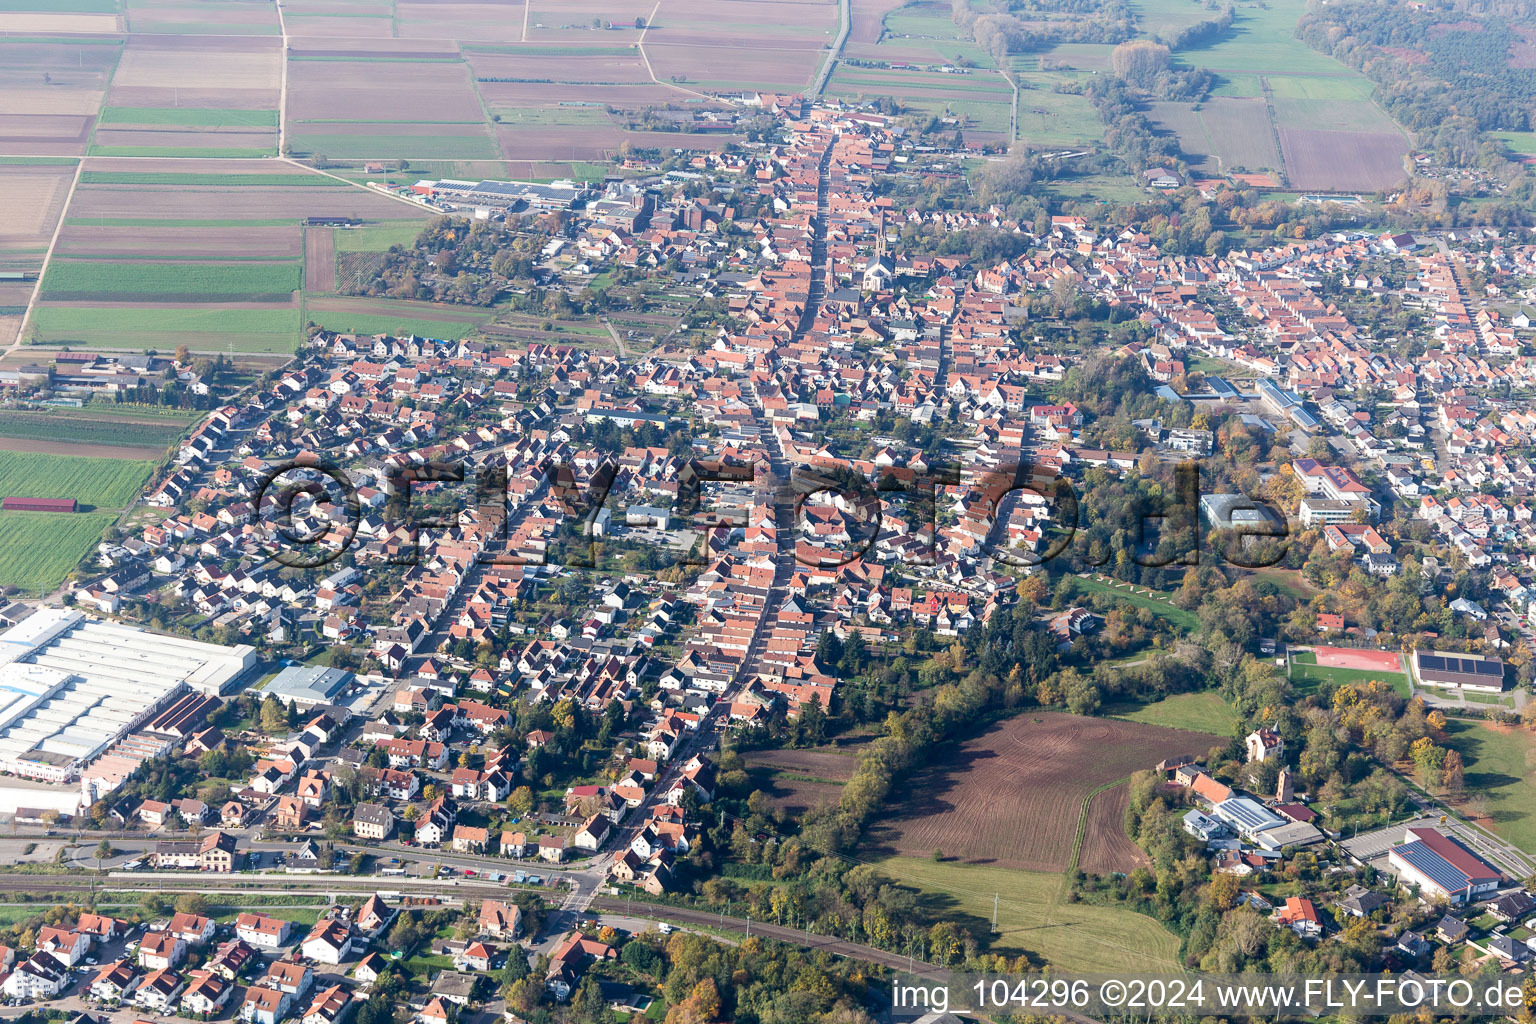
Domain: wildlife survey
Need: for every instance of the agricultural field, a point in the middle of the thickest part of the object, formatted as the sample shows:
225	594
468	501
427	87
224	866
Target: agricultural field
379	104
185	131
38	549
202	327
904	59
1112	849
1279	105
1033	915
190	18
1501	775
206	72
51	91
106	484
200	281
1013	795
1342	160
216	246
80	426
1228	133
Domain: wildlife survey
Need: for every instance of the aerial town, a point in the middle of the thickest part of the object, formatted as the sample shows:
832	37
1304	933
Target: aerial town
449	679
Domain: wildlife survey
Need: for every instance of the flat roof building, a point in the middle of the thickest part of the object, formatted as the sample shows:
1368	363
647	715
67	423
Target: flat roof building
308	685
70	687
1438	668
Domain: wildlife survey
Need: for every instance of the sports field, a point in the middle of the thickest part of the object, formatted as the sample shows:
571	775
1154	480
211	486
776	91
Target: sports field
1306	675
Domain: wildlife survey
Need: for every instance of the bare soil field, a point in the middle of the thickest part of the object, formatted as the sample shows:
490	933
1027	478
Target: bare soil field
618	68
713	59
62	133
538	94
319	259
1013	795
1106	847
869	20
265	242
321	27
34	200
484	22
1342	160
236	202
193	18
238	74
77	78
559	143
41	23
354	45
95	451
373	90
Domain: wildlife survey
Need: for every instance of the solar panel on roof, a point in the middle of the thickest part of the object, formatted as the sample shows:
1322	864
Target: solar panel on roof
1433	866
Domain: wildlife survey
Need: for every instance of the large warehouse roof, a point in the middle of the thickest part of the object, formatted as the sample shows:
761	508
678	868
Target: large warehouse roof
71	686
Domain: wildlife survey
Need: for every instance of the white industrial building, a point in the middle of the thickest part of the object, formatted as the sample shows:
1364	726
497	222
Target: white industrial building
71	687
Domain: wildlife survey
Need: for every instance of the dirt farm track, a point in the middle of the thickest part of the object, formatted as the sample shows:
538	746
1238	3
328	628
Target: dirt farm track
1013	796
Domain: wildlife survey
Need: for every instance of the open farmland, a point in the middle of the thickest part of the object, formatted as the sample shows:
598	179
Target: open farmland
99	483
38	549
438	20
1111	849
78	425
34	201
917	40
1230	133
190	18
52	115
1338	160
88	280
1013	795
217	73
202	327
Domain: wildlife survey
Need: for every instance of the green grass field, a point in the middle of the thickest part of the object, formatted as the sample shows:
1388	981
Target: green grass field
1263	41
38	549
377	237
1523	143
102	483
99	279
190	117
1198	712
387	146
1501	772
1032	914
347	322
1307	675
163	327
1164	609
